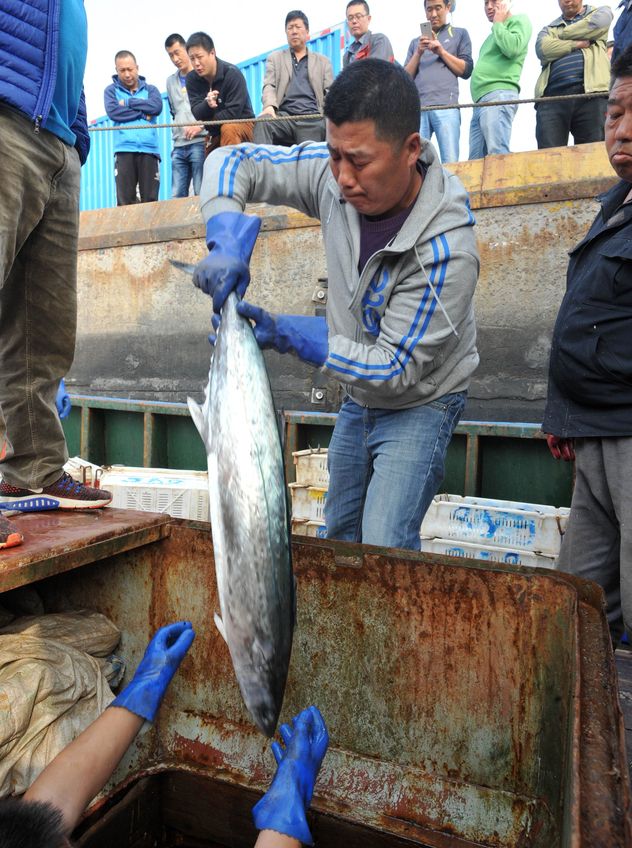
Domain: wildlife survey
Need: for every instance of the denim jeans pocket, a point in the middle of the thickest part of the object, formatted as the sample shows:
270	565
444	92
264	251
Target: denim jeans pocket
454	402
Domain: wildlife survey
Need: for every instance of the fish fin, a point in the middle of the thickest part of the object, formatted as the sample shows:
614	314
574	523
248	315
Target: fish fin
220	626
198	416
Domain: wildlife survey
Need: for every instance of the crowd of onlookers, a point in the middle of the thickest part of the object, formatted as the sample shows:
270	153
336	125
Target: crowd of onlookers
573	50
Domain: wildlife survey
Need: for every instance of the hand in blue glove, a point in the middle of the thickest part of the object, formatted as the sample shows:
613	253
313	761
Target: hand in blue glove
304	335
284	806
230	238
62	401
163	655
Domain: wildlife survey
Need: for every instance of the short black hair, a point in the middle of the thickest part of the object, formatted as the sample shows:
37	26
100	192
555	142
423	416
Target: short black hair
622	66
200	39
123	54
297	15
378	91
30	824
359	3
174	38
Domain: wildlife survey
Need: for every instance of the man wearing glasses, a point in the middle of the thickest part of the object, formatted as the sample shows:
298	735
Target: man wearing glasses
365	44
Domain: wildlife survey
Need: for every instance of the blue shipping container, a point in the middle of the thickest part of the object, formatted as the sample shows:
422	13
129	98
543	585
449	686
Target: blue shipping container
97	175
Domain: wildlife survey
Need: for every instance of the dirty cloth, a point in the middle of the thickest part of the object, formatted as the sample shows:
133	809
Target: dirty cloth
53	684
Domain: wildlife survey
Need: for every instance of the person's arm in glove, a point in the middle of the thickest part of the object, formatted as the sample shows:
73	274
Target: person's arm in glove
62	401
304	335
163	655
284	807
230	238
561	448
79	772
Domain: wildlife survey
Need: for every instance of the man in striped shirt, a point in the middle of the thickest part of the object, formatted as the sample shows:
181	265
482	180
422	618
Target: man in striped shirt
572	50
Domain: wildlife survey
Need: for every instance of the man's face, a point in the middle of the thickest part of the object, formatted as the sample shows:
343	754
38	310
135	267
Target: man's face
375	176
619	127
297	34
127	71
437	13
490	9
358	20
204	64
179	56
570	8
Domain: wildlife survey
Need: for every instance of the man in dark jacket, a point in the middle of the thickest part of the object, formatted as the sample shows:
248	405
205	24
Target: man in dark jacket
622	29
217	92
589	406
45	140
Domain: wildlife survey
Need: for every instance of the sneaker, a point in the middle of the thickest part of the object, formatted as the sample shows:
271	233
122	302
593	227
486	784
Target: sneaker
64	493
10	536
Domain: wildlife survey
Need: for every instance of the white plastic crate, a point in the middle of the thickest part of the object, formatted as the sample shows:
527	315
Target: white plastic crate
303	527
308	502
452	548
182	494
311	467
518	526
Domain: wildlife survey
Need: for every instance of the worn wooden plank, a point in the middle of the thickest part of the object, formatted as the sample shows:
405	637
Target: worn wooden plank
624	670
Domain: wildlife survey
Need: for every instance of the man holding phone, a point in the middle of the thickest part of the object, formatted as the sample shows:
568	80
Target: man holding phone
435	61
496	77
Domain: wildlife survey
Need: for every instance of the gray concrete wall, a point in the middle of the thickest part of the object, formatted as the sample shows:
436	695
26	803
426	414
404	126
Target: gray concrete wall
142	329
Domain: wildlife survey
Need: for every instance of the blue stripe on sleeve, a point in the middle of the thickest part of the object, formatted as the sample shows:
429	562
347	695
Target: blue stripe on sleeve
287	156
416	332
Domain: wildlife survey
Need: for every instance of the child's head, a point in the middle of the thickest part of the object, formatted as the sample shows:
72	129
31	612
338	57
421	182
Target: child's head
30	824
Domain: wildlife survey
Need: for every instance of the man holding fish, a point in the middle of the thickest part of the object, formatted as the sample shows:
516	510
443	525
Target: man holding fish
402	265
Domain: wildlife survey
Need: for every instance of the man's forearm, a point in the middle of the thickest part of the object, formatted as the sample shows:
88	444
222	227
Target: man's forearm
456	65
413	65
272	839
81	770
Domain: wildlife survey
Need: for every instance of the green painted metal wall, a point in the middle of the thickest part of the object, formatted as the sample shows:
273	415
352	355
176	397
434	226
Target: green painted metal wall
505	461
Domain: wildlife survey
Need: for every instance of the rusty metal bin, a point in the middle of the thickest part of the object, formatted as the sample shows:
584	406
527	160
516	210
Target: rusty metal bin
467	704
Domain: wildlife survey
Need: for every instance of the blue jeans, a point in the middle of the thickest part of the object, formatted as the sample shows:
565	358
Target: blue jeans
385	466
446	125
187	164
490	130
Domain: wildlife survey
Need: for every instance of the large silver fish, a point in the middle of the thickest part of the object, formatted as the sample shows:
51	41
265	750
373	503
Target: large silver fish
249	517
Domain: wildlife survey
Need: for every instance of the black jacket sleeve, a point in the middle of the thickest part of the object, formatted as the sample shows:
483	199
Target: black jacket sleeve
197	89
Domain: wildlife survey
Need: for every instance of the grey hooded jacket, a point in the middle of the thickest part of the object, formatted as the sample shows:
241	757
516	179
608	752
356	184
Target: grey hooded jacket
401	333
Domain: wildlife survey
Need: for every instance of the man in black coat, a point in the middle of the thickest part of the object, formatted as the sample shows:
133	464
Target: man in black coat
588	414
217	91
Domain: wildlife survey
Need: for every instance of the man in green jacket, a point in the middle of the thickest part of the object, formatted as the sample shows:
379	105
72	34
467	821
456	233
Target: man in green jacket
496	77
572	50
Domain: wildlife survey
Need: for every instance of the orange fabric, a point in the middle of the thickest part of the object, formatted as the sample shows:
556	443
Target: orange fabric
229	134
236	133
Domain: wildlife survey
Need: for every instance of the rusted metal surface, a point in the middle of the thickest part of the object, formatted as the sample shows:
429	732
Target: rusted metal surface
464	702
62	540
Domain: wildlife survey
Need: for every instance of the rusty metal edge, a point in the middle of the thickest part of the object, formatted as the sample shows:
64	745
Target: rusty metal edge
40	569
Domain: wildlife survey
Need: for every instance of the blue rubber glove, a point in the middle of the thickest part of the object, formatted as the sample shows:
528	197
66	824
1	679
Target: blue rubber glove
230	238
163	655
304	335
284	806
62	401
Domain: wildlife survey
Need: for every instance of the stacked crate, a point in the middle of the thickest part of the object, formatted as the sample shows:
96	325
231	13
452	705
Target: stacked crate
498	531
476	528
309	492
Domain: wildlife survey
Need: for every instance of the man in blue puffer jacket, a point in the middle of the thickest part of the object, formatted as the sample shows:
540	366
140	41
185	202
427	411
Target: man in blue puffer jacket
131	100
43	45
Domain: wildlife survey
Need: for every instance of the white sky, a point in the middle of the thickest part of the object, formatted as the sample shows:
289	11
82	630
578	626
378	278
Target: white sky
256	26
